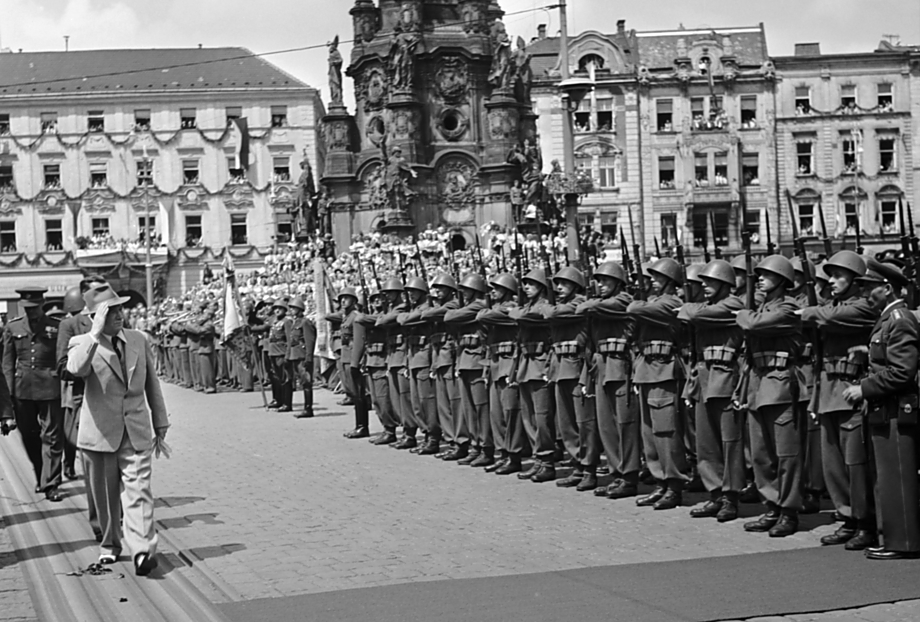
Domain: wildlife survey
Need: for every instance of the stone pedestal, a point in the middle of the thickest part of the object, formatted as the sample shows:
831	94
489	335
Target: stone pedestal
339	136
405	112
503	126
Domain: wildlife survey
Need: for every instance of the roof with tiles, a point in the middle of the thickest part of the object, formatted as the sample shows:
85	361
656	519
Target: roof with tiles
112	71
659	49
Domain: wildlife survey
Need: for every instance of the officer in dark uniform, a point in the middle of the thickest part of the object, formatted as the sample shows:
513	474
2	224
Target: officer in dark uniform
73	305
890	393
282	383
351	373
30	368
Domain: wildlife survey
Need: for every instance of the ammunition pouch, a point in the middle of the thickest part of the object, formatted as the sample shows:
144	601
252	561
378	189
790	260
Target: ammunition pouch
613	347
657	350
567	348
768	360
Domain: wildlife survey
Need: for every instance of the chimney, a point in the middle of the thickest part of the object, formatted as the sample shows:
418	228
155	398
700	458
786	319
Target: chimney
808	49
541	31
621	26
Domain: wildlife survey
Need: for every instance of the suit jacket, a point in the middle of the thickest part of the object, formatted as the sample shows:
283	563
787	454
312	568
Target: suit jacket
72	387
112	404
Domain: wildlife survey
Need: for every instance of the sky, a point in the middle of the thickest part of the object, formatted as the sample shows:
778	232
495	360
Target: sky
271	25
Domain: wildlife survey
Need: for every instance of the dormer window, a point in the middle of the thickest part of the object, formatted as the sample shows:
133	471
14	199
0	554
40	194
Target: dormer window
590	62
705	65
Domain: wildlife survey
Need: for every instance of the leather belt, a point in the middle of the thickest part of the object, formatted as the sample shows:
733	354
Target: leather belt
534	348
396	340
719	354
375	348
471	340
849	367
502	348
772	360
567	348
418	340
613	346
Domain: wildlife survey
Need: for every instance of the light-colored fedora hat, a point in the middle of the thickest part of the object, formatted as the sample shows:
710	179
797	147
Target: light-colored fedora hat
102	292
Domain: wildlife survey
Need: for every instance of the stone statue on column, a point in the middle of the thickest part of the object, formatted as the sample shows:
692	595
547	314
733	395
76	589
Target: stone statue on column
500	74
303	209
522	72
335	72
402	61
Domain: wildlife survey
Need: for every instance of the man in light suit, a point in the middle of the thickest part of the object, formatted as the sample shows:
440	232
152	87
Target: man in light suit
122	420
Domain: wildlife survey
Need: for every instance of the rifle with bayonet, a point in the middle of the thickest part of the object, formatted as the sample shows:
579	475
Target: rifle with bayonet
910	260
771	247
828	248
364	306
716	251
482	265
637	260
691	333
550	294
657	248
421	262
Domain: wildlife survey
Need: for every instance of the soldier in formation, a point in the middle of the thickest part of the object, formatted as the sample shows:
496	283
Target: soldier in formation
671	373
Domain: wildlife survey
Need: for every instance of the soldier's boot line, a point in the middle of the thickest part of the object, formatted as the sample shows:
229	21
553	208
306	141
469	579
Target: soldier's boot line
486	458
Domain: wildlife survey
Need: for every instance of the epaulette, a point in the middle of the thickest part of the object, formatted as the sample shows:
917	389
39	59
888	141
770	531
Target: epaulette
896	314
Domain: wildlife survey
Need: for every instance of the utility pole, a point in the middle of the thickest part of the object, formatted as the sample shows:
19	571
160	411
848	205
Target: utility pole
573	91
148	264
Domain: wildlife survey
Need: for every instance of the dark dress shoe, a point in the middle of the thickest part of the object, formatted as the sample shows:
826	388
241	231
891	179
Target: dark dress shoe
645	476
357	433
571	481
785	526
470	457
485	459
70	473
408	442
547	473
843	535
764	523
144	563
273	404
884	554
304	414
588	482
710	509
346	402
459	453
651	499
430	449
749	494
729	511
863	539
622	490
531	471
285	409
601	491
512	466
496	465
385	439
54	495
669	501
811	504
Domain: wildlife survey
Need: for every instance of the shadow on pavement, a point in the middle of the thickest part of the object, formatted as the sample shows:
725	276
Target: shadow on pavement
20	518
175	502
186	521
210	552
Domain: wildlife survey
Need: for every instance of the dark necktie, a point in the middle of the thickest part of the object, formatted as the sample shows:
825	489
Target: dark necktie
116	345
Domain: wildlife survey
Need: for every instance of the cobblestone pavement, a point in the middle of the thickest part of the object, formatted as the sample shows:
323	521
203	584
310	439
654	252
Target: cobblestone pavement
267	505
15	602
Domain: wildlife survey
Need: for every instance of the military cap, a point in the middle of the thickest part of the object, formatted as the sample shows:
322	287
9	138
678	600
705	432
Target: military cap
879	272
54	309
31	296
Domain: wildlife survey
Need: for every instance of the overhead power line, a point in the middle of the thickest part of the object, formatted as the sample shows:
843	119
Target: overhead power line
211	61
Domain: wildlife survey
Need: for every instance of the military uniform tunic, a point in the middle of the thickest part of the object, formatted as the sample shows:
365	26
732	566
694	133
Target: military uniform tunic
504	398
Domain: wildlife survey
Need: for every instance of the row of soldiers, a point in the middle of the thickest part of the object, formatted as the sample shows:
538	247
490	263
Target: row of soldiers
672	372
192	354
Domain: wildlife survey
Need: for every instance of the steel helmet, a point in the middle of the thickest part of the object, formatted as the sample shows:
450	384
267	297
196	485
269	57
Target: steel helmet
537	275
281	304
669	268
417	283
777	264
444	280
739	262
73	301
719	270
612	270
848	260
797	265
348	291
393	284
297	303
820	274
693	272
475	282
505	281
572	275
645	266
